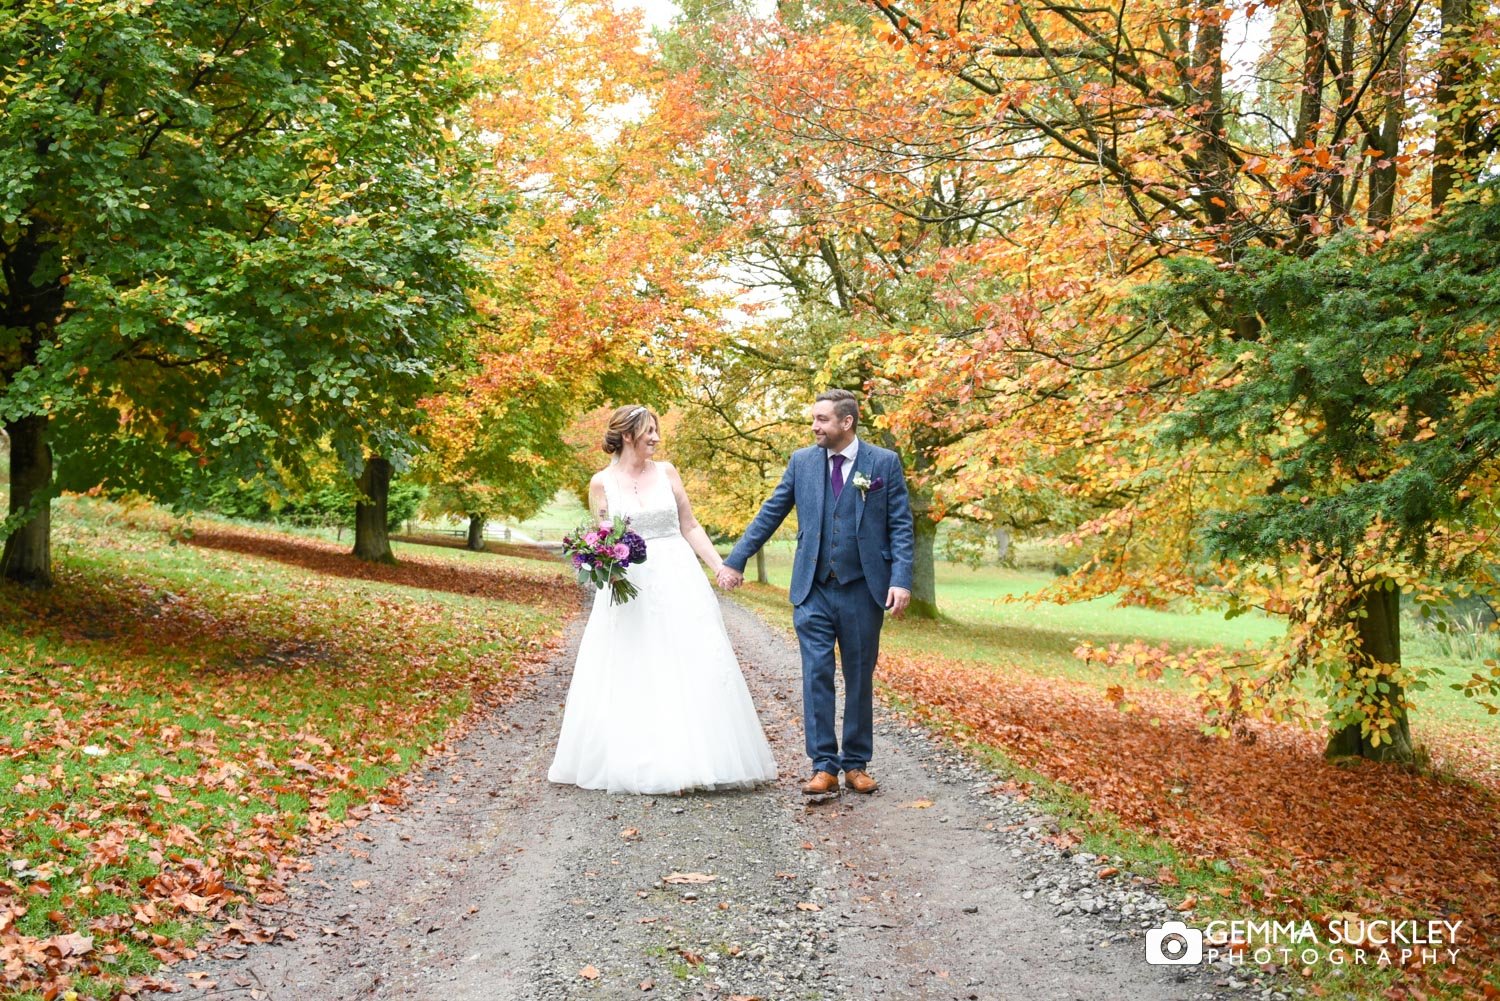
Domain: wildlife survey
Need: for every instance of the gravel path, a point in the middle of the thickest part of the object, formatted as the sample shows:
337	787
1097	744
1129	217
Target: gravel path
494	884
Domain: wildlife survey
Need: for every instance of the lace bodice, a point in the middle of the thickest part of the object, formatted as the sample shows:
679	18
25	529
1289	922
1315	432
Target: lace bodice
655	516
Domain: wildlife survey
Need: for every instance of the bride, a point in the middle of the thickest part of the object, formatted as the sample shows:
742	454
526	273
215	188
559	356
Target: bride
657	703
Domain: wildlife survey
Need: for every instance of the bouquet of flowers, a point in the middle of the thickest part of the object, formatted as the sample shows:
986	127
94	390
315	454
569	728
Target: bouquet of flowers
602	553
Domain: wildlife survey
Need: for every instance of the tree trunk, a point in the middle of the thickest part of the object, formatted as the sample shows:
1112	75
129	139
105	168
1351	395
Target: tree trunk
30	310
1210	168
1457	119
1386	140
476	532
1380	643
761	577
27	558
923	579
1315	25
372	539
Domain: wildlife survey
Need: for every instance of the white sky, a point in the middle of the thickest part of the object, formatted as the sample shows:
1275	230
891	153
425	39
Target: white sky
658	12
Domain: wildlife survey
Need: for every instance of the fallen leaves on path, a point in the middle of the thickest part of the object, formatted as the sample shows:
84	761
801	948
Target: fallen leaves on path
1298	831
689	878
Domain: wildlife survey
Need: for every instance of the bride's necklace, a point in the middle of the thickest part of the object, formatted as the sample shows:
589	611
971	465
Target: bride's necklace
634	479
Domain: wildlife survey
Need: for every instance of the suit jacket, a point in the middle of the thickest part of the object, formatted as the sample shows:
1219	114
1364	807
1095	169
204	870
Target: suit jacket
883	521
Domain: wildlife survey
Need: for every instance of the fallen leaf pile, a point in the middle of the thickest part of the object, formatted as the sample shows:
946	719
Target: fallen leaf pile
500	582
1301	835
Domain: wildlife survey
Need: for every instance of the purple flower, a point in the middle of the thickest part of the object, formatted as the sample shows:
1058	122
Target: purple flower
620	551
637	547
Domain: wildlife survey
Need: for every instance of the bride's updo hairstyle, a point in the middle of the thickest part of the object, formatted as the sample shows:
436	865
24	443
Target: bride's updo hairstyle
629	421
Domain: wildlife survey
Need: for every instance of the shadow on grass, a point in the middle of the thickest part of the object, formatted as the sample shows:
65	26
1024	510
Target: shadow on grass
496	583
118	618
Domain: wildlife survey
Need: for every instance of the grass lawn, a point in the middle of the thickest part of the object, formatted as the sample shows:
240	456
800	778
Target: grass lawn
175	718
555	520
549	524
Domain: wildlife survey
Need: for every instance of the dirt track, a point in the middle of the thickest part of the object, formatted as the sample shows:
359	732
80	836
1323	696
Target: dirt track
495	884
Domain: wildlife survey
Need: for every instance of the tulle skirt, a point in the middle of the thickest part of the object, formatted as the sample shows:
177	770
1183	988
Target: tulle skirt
657	703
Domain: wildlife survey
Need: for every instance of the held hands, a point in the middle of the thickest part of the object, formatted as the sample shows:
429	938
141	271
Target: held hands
728	577
896	600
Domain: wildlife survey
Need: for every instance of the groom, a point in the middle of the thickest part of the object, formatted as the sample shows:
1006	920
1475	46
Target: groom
853	564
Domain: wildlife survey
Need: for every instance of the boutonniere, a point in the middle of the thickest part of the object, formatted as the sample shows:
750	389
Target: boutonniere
865	484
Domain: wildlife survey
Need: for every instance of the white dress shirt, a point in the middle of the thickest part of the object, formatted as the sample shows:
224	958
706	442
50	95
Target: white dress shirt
848	452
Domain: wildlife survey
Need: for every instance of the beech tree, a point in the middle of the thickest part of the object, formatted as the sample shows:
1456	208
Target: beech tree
1370	393
228	232
594	291
1323	135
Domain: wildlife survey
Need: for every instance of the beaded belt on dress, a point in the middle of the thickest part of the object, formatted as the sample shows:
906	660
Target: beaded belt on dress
655	524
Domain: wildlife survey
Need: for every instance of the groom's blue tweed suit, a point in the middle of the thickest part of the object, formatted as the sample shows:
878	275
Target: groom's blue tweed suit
850	552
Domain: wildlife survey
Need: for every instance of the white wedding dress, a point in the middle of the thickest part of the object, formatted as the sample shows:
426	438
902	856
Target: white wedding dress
657	703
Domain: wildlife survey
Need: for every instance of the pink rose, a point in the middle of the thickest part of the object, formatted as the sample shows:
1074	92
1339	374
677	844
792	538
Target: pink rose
606	527
592	538
621	551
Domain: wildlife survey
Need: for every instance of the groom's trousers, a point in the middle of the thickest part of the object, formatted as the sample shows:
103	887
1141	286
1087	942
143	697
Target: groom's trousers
847	615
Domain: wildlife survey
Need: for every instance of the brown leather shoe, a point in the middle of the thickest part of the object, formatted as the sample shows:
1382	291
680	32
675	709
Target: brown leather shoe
860	781
822	784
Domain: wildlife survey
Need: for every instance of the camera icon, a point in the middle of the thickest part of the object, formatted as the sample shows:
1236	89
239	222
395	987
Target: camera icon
1174	944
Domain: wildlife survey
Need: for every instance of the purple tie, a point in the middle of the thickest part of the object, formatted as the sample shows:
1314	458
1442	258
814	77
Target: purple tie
838	476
